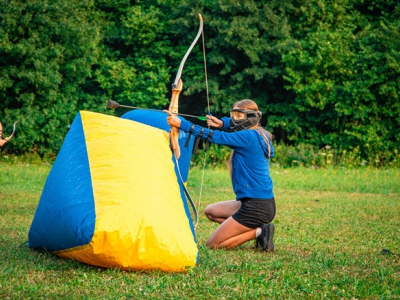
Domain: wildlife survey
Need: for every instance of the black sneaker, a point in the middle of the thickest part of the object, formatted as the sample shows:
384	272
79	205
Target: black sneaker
266	239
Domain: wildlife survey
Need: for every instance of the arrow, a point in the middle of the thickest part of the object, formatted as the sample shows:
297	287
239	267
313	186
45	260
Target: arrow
114	104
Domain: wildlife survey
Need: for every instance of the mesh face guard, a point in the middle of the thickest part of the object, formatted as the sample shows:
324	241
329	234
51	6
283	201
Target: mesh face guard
244	119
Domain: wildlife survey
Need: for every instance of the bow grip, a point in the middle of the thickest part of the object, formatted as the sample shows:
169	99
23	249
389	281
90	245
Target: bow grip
173	108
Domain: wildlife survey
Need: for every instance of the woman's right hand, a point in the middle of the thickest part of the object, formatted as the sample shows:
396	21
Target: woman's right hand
172	119
214	122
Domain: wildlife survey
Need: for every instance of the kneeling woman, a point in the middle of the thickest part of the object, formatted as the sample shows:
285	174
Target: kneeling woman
250	215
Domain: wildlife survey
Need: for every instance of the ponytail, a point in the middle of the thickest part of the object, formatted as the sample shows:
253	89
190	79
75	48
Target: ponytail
267	136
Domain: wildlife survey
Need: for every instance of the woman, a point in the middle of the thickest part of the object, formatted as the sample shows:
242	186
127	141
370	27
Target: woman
249	216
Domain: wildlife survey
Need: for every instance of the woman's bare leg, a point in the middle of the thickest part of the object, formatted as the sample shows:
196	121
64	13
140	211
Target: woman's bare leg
220	211
230	234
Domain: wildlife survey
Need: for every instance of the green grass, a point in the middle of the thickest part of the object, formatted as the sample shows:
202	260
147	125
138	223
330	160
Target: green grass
331	226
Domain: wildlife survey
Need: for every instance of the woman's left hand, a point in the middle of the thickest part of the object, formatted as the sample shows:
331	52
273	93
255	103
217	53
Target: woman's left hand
172	119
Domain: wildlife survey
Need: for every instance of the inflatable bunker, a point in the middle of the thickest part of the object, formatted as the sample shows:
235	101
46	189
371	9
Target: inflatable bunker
113	199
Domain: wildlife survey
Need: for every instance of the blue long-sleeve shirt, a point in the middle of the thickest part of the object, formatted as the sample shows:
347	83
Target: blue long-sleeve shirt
250	163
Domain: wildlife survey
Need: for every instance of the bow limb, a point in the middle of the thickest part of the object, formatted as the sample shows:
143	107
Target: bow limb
179	73
176	90
2	142
12	134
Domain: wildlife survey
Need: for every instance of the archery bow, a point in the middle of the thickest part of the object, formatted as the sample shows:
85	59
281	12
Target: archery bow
176	89
12	134
173	108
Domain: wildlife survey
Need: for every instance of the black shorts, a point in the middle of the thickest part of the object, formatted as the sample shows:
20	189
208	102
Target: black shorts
254	213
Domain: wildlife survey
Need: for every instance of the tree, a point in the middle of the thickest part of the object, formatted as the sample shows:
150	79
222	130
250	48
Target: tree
343	68
135	44
47	50
242	47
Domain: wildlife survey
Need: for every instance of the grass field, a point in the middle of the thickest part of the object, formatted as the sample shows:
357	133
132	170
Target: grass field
331	228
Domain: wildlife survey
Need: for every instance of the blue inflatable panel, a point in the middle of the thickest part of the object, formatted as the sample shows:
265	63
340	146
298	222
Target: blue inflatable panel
70	167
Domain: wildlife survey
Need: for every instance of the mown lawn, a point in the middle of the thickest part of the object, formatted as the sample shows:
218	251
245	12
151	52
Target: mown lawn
331	228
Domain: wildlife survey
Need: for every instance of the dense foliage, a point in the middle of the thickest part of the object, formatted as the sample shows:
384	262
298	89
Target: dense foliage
344	69
47	50
324	72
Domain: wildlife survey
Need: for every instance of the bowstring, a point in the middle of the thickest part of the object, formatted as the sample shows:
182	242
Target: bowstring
209	113
195	212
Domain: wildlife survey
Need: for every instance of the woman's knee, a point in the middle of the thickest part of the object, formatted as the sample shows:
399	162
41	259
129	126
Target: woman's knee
208	211
212	243
209	244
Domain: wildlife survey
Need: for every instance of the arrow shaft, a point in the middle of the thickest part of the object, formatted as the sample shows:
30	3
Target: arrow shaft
179	114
